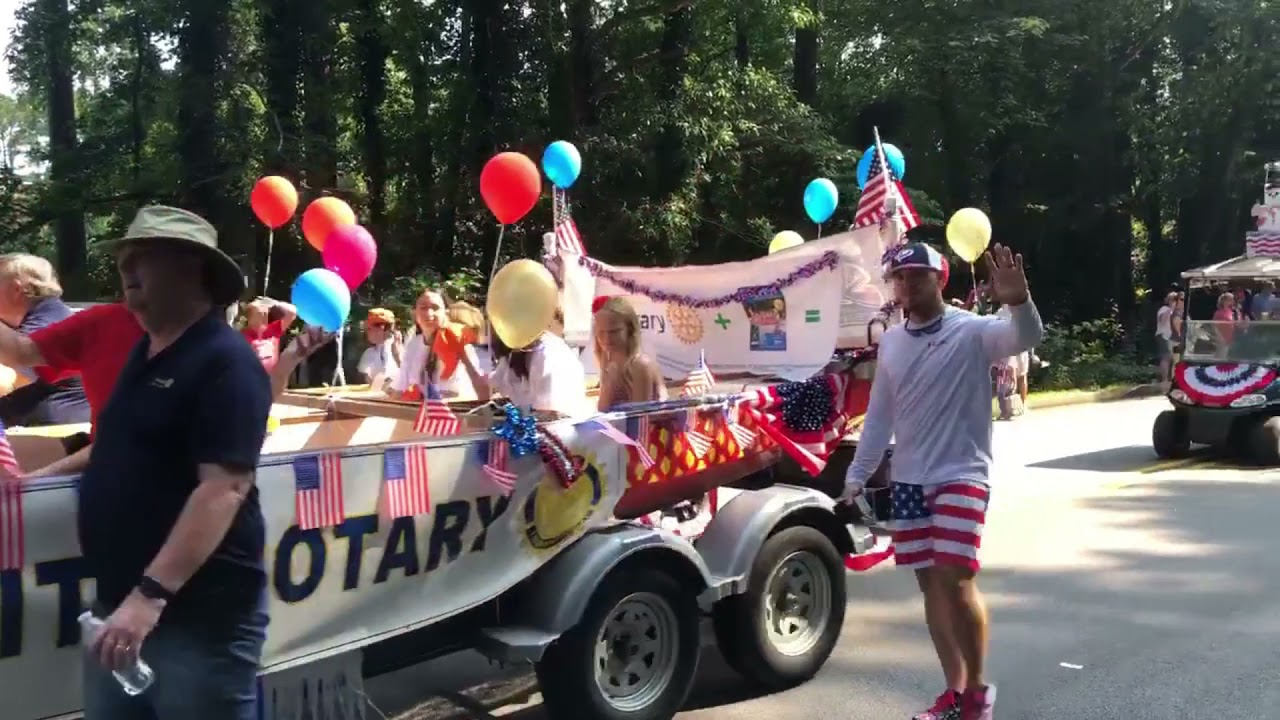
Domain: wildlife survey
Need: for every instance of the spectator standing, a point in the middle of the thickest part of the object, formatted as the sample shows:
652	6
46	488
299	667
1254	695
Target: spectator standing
1164	335
169	519
31	299
265	323
380	362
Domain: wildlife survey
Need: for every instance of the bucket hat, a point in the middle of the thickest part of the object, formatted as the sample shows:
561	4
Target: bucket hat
161	222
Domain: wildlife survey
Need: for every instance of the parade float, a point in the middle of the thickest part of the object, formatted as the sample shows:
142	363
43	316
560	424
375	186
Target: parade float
1224	391
589	547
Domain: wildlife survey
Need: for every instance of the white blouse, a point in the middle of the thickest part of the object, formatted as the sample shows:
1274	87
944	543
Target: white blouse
378	363
413	365
556	380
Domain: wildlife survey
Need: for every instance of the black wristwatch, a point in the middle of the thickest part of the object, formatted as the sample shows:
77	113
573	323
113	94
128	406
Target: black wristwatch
151	589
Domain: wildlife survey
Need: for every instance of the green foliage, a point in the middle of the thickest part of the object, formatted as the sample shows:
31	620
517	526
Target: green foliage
1088	355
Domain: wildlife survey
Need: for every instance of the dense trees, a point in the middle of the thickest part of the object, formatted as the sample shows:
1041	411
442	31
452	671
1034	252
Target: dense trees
1113	141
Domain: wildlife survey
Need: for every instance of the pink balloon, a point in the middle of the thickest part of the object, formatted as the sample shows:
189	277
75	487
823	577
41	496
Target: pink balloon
350	252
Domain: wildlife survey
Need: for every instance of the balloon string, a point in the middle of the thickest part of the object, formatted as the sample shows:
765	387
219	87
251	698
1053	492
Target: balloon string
819	230
266	276
497	252
973	282
339	374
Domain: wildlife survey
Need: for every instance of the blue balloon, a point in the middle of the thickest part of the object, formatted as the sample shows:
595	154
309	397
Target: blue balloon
562	163
820	200
892	155
322	298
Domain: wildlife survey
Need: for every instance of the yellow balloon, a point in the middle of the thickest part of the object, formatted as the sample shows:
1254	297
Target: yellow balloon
969	233
522	302
785	240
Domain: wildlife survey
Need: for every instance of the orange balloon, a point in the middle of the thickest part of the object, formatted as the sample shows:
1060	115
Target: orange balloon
274	201
322	217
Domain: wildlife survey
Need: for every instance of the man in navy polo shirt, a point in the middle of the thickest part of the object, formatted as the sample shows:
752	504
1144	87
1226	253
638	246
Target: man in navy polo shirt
169	518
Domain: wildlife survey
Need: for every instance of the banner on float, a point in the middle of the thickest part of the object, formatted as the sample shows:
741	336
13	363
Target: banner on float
331	590
780	315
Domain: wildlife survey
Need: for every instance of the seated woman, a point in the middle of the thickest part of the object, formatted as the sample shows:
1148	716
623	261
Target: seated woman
626	374
547	376
436	355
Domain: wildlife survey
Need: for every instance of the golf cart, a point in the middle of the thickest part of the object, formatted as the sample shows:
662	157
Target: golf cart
1225	391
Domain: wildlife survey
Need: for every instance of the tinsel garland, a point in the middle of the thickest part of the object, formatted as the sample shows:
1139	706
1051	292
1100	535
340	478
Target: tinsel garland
828	261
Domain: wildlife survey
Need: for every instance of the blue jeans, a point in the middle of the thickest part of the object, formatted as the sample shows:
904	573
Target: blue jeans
197	678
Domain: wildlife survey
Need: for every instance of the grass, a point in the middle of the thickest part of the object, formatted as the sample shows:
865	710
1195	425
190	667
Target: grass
1053	398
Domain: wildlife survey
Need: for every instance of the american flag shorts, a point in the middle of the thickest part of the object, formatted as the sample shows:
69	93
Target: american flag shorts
938	524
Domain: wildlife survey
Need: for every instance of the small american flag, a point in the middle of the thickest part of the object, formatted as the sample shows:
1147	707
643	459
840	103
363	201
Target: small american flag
880	187
638	428
407	488
744	437
606	428
318	491
435	417
568	240
700	381
12	533
496	465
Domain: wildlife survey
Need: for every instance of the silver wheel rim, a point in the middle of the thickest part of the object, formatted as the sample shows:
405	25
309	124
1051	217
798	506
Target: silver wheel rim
635	654
797	603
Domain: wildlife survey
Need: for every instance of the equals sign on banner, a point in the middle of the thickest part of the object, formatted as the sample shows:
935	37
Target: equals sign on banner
812	316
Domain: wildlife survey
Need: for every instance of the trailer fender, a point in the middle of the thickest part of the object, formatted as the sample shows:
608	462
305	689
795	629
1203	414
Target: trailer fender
733	539
554	599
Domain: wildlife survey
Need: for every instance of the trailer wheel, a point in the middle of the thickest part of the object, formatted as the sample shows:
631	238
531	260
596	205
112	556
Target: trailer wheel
1169	436
783	628
633	655
1265	438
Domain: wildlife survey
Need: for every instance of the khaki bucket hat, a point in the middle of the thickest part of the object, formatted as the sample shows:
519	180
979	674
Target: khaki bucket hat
161	222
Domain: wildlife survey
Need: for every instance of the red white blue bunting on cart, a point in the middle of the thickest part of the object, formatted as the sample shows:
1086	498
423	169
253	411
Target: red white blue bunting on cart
1219	385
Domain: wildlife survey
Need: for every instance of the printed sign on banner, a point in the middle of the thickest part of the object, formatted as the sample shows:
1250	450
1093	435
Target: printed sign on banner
332	590
780	315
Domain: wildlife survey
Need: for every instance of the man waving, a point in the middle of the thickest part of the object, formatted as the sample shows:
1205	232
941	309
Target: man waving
933	391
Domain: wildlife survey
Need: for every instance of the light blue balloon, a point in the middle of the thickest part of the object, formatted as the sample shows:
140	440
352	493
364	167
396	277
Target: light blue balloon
821	199
322	298
892	155
562	163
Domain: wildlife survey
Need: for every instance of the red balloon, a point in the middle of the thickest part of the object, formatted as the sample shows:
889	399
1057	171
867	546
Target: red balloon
322	217
350	252
510	185
944	274
274	200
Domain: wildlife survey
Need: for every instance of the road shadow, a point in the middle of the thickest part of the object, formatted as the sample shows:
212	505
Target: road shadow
1130	458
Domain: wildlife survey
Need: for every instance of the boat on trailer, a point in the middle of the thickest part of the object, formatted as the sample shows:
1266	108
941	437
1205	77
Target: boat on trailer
599	577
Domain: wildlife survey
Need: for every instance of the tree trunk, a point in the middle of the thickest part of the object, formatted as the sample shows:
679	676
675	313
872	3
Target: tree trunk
582	63
373	53
69	224
320	37
805	65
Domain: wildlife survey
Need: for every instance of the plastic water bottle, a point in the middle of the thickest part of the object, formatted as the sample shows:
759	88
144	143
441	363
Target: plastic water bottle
134	680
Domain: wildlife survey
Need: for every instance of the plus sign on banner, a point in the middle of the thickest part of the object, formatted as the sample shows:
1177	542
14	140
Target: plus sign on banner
778	315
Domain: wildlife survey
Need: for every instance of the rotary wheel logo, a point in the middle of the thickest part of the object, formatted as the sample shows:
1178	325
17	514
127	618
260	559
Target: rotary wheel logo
686	324
553	514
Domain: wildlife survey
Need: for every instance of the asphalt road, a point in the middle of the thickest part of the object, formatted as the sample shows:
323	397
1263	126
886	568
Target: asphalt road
1119	587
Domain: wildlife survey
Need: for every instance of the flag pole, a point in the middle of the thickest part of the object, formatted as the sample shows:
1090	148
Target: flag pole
892	216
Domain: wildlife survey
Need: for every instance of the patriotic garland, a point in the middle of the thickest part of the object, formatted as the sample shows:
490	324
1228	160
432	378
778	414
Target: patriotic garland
520	435
828	261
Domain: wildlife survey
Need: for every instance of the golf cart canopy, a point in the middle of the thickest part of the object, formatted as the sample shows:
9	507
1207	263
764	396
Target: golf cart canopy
1237	268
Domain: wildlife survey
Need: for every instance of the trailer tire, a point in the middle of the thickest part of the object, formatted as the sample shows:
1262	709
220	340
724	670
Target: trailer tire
1265	443
764	633
632	604
1169	436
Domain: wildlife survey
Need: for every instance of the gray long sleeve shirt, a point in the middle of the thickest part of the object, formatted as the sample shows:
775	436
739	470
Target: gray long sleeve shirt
933	391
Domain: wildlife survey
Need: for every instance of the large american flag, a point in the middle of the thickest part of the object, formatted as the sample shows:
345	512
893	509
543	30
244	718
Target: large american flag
881	186
700	381
12	534
435	417
408	492
568	240
808	419
318	491
495	466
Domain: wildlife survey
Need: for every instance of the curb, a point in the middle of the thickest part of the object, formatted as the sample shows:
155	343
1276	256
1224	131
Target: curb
1099	396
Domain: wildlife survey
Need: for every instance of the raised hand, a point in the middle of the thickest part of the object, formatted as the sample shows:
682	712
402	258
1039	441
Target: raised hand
311	338
1008	279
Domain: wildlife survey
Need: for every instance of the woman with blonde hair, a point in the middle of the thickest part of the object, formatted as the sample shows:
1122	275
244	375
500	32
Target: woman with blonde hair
627	375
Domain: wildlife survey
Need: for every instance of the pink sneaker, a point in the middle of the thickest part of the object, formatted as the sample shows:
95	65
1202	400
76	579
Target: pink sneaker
978	704
946	707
